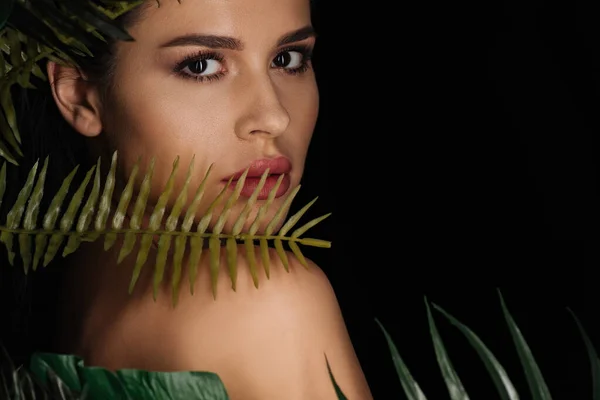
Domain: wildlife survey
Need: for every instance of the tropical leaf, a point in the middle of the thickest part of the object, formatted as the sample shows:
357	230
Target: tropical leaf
503	384
455	387
70	373
411	387
87	205
338	390
535	380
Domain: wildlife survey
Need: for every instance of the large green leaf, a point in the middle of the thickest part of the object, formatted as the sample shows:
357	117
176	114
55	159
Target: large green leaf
126	384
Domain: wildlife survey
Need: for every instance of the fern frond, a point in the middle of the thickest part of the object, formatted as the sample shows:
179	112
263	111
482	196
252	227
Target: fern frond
138	212
87	205
13	219
29	221
68	219
124	200
50	219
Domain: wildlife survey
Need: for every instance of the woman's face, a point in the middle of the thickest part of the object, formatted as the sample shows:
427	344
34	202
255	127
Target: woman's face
229	81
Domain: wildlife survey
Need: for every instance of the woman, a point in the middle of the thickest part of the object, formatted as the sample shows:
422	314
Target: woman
228	83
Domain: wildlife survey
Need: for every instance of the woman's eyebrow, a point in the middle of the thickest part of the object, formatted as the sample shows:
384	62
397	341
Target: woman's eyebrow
227	42
297	35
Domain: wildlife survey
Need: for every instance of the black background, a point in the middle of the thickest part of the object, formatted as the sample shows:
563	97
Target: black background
456	148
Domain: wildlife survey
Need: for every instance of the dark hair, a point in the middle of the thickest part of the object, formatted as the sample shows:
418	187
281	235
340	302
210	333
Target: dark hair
29	303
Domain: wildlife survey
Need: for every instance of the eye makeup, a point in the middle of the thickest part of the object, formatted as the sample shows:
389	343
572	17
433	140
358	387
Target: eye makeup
193	65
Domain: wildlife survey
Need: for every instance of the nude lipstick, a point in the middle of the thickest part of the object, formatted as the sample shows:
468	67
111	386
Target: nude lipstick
277	166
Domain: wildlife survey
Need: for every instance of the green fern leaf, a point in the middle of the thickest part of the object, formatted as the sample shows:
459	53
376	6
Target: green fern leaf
155	221
214	245
181	242
33	207
278	243
307	226
264	256
214	242
51	217
298	254
232	199
106	197
281	252
265	207
232	250
67	219
138	213
295	218
315	242
30	219
5	152
122	206
165	240
237	228
49	239
279	214
197	242
251	256
13	219
87	212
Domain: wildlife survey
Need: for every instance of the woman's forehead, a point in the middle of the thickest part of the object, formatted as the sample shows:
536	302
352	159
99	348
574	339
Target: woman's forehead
258	24
232	15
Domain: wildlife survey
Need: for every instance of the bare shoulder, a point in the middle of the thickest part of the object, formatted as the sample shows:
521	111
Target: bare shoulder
273	340
264	343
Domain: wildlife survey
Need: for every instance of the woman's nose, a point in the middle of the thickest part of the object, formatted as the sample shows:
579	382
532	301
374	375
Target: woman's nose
263	111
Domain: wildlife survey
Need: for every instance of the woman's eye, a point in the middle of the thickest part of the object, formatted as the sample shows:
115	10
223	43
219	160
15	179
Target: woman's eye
203	67
288	59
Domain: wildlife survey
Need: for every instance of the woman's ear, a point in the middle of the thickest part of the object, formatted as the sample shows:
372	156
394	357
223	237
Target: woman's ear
77	99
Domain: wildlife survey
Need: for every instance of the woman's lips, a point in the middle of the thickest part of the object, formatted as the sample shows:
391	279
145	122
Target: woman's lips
276	166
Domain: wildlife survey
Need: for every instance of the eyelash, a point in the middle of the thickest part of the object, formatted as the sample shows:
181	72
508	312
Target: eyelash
305	51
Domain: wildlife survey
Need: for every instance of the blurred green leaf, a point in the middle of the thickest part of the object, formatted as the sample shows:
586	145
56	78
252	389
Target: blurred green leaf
537	384
453	383
410	386
338	390
126	384
593	356
499	376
